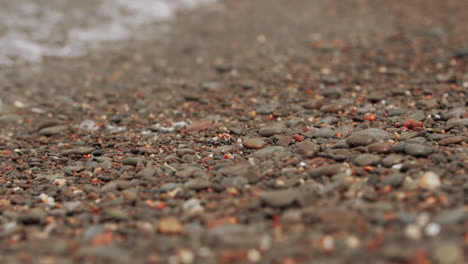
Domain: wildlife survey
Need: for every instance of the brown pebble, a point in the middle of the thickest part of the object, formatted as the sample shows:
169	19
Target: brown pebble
254	143
452	140
170	226
380	148
199	125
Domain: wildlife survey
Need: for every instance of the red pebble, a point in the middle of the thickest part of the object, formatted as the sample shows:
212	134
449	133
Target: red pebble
370	117
298	137
413	124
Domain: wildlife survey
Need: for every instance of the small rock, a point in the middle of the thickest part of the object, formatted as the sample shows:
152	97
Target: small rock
254	143
78	151
380	147
170	226
367	159
328	170
360	140
199	125
50	131
271	130
452	140
325	132
279	198
458	122
268	151
418	150
198	184
133	161
307	149
114	214
429	181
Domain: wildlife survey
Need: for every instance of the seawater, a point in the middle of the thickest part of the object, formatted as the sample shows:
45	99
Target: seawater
33	29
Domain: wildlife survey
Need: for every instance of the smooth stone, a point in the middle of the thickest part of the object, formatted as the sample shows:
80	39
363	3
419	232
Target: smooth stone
198	184
418	115
396	112
416	140
199	125
238	181
325	132
454	113
54	130
451	216
133	161
233	235
418	150
380	147
187	172
79	151
7	118
268	151
279	198
169	186
391	160
395	180
367	159
271	130
377	133
452	140
307	149
254	143
114	214
328	170
360	140
147	173
267	109
458	122
185	151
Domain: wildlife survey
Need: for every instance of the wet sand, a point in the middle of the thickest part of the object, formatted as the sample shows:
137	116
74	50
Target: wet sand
251	132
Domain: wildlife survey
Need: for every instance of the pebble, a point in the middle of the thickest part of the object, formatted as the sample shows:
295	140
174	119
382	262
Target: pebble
367	159
268	151
451	216
360	140
254	143
377	133
328	170
7	118
452	140
418	150
185	151
170	226
147	173
279	198
429	181
198	184
271	130
54	130
78	151
380	148
199	125
458	122
233	235
307	149
325	132
134	161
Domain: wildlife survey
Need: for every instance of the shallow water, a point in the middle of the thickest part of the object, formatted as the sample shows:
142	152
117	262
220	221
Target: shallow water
33	29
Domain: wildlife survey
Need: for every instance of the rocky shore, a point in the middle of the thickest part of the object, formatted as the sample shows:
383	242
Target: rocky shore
252	132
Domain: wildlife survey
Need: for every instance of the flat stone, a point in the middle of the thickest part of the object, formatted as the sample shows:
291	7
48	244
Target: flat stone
391	160
328	170
268	151
198	184
147	173
452	140
377	133
199	125
78	151
360	140
185	151
458	122
307	149
114	214
418	150
279	198
367	159
271	130
325	132
380	147
54	130
254	143
133	161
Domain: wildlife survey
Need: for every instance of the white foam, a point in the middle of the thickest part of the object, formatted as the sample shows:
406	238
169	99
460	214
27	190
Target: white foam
31	30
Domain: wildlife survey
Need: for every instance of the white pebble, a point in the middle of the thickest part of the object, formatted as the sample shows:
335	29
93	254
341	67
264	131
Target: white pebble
429	181
413	232
432	229
253	255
